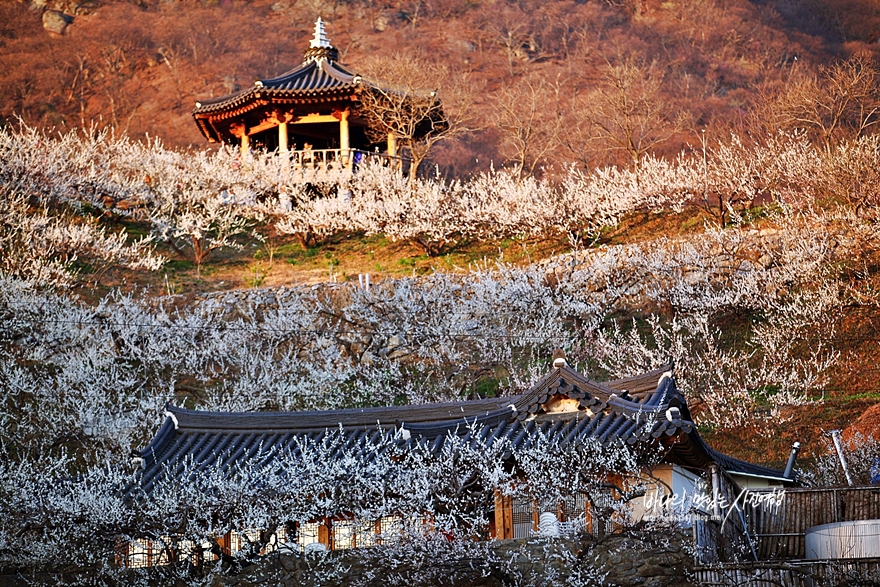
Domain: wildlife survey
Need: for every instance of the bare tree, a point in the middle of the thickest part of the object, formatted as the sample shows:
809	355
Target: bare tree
527	113
843	99
419	102
628	112
511	33
852	175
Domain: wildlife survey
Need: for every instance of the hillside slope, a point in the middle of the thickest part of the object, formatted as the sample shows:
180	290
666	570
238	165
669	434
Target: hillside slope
140	66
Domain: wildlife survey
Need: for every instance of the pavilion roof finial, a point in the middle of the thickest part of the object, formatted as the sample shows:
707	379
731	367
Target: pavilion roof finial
320	48
320	40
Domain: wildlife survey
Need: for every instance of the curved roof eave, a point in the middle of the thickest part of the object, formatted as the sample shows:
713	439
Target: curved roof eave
311	79
605	413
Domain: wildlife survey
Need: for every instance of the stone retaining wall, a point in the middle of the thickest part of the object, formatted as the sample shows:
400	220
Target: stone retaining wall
623	561
661	560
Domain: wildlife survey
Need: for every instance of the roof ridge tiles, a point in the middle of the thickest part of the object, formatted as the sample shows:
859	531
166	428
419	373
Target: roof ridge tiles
611	415
657	374
306	419
314	69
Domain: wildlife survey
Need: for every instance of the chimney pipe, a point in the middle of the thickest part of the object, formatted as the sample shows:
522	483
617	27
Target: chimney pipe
789	467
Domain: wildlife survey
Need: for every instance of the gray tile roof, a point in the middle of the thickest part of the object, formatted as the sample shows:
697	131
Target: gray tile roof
633	410
313	78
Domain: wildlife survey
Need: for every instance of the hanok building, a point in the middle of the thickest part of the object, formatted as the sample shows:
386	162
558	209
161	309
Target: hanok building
314	112
564	407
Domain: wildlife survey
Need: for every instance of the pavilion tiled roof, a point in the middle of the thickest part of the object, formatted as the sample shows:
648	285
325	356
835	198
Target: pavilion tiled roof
313	78
646	409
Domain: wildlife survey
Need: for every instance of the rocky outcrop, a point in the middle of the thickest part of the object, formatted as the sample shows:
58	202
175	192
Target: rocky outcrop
56	22
60	14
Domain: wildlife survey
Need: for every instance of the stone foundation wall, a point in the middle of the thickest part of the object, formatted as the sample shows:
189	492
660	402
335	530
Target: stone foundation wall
617	560
623	561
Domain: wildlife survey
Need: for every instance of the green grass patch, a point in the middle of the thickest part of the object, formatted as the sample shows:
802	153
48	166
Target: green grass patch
180	265
82	267
691	222
136	230
868	395
486	387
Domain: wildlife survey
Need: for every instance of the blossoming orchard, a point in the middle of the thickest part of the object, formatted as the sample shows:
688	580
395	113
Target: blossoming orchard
411	425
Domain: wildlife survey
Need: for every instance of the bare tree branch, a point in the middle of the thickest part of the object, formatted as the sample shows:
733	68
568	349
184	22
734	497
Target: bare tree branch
421	103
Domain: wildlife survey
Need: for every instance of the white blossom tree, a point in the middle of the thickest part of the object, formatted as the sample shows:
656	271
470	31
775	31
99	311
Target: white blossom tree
748	315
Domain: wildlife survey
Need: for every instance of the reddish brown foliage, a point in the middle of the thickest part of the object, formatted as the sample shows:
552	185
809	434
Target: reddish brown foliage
140	66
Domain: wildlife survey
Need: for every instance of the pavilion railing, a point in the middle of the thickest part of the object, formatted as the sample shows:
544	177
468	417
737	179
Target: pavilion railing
328	160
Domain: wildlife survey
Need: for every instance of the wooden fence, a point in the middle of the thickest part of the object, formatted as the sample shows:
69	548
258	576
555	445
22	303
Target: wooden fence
795	574
778	530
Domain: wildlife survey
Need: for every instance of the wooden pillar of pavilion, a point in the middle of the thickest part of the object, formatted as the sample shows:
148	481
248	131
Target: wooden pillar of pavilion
392	145
239	131
392	152
344	141
282	137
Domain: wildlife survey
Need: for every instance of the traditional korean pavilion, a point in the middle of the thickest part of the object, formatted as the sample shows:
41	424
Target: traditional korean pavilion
313	109
564	406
